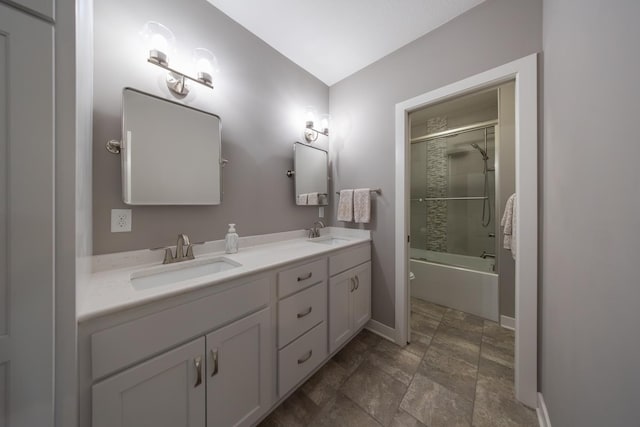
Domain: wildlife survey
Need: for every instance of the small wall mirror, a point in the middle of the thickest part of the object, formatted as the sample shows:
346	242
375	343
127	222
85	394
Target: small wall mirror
311	166
171	153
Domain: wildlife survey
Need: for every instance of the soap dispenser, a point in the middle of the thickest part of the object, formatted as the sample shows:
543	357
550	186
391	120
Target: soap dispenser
231	240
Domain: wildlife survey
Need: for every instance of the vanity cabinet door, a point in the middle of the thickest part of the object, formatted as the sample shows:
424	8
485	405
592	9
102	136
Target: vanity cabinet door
239	371
361	296
340	323
166	391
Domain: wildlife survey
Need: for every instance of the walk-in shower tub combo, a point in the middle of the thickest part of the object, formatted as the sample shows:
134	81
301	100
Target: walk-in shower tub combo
453	217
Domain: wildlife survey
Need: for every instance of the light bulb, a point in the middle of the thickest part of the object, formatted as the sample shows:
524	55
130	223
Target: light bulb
159	41
310	116
324	123
206	65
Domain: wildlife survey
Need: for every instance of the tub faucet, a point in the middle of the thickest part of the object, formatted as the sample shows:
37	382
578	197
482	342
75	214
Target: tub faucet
314	231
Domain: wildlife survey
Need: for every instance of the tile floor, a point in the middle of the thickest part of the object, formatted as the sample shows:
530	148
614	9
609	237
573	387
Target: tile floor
457	371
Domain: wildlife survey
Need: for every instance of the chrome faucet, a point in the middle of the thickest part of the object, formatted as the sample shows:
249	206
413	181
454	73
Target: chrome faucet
486	255
183	240
314	230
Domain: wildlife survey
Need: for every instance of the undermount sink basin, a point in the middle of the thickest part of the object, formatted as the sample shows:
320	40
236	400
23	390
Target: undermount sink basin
173	273
329	240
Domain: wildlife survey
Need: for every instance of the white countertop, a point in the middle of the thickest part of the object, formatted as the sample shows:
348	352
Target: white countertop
109	287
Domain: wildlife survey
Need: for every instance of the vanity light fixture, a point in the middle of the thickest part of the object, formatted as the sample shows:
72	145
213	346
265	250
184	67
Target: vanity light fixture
161	45
310	132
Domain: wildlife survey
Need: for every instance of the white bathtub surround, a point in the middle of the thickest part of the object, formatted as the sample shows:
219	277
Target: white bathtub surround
109	287
471	291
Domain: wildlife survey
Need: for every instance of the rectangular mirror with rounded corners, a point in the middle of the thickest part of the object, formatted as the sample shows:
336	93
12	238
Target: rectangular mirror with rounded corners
171	153
311	168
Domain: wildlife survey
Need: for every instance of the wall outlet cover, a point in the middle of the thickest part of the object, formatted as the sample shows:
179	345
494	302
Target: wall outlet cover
120	220
321	212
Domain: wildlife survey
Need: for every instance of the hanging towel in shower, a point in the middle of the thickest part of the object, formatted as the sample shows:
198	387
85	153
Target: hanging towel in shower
312	199
345	206
362	205
509	225
302	198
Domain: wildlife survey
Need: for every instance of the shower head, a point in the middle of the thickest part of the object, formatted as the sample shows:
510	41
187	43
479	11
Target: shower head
485	156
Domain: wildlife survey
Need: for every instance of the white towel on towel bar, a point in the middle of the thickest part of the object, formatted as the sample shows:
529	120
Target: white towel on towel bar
362	205
509	225
313	199
345	206
302	198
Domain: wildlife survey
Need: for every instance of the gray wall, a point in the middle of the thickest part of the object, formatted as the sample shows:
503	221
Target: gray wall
259	94
363	109
590	294
506	175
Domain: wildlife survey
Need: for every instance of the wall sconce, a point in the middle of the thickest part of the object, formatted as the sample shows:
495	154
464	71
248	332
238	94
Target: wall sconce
160	43
310	132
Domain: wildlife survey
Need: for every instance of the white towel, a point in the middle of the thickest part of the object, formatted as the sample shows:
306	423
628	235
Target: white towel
345	206
302	199
312	199
362	205
509	225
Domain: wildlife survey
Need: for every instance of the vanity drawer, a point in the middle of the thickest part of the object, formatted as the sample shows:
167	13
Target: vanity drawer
131	342
303	276
349	258
301	357
300	312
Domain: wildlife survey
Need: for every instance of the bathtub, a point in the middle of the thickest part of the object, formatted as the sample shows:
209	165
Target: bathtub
462	282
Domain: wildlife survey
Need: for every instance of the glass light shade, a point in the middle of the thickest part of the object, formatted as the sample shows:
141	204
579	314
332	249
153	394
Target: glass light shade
309	116
325	120
206	65
160	42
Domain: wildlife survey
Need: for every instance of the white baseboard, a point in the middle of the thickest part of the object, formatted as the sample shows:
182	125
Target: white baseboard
543	415
381	329
508	322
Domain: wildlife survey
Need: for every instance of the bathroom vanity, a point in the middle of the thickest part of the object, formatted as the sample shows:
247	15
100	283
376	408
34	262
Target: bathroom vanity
222	348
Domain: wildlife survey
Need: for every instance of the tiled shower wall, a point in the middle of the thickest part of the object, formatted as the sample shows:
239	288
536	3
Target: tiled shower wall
437	185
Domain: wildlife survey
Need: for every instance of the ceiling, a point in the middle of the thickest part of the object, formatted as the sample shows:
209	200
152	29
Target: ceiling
333	39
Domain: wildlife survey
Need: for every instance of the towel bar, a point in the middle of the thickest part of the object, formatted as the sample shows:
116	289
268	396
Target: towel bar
373	190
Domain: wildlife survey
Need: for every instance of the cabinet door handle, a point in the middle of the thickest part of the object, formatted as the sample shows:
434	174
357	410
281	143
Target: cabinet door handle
357	282
305	357
305	277
305	313
214	362
353	284
197	362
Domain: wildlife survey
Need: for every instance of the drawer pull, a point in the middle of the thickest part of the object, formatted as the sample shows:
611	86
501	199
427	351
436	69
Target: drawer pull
353	284
197	362
305	277
306	313
214	362
305	357
357	282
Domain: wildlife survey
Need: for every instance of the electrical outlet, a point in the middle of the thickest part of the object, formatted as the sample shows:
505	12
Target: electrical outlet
321	212
120	220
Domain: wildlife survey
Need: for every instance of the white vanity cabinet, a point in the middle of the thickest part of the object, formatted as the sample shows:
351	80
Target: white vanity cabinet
223	378
349	294
224	354
239	371
166	391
